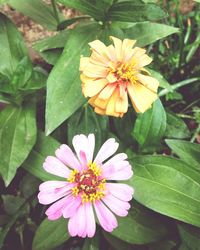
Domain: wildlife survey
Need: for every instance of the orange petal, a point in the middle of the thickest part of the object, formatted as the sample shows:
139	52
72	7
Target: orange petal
107	91
100	103
92	88
99	111
141	97
149	82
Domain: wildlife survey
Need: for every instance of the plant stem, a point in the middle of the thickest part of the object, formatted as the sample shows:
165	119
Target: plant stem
178	85
55	10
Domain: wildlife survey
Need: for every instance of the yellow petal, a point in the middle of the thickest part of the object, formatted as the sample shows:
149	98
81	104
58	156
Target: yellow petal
111	77
83	63
127	50
122	104
107	91
144	60
111	53
85	79
118	47
141	97
92	88
110	108
100	103
98	59
93	70
149	82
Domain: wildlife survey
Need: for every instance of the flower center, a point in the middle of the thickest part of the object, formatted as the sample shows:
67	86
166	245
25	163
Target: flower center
126	72
88	184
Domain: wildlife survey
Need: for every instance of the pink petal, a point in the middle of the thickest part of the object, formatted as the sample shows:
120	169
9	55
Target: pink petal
72	225
81	220
54	166
65	154
54	212
121	174
121	191
115	159
84	144
105	216
47	197
107	149
71	207
49	186
117	206
91	224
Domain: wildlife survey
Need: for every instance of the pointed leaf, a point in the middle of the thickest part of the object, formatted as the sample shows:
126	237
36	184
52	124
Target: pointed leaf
64	95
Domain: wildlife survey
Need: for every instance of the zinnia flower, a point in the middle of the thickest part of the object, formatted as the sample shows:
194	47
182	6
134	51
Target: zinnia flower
89	185
112	73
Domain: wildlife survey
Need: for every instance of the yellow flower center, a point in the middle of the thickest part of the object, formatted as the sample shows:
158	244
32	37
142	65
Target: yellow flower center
89	184
125	72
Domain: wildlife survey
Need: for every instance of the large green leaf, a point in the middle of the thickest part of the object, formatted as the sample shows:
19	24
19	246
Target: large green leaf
176	127
64	94
50	234
150	127
168	186
187	151
146	32
17	137
38	11
141	226
87	121
12	47
44	147
129	11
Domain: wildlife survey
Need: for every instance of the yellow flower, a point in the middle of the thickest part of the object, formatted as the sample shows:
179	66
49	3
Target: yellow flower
112	73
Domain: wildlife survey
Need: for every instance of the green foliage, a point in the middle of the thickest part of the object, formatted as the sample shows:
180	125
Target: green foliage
63	85
17	137
50	234
187	151
38	11
168	186
150	127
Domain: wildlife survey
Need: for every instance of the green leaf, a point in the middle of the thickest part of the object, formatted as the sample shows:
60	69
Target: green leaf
50	234
64	95
164	245
12	47
187	151
92	244
50	48
29	185
190	236
140	226
87	121
150	127
12	203
89	7
38	11
117	243
129	11
163	83
17	137
147	32
168	186
176	127
44	147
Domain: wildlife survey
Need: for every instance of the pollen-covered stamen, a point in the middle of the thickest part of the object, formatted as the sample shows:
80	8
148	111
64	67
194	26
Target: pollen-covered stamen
89	183
126	72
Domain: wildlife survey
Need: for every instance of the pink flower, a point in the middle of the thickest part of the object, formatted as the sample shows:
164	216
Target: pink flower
89	185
